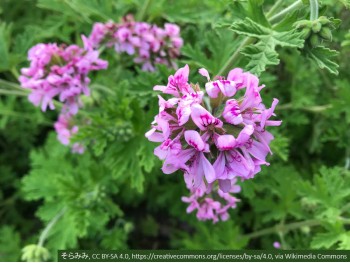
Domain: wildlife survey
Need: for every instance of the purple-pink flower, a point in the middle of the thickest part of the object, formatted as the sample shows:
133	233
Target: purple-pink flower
277	245
61	72
149	44
65	129
215	139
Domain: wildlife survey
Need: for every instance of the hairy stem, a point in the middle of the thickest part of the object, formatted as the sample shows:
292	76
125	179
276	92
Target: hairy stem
317	108
313	10
15	72
283	228
274	8
47	229
13	92
287	10
11	85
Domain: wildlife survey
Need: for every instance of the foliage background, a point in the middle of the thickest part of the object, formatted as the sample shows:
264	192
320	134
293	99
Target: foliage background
114	196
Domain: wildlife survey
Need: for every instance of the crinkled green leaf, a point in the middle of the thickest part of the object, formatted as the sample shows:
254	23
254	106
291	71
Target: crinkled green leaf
325	240
260	56
263	53
271	37
323	57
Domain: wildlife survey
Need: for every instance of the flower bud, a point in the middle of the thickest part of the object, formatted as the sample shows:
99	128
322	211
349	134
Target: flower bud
314	41
35	253
316	27
326	33
303	24
323	20
306	32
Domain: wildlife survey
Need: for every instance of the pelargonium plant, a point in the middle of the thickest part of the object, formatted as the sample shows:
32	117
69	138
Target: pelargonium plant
60	71
148	43
215	137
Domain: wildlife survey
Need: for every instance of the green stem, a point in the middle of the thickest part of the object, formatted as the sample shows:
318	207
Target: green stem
47	229
345	208
274	8
15	73
287	10
313	10
144	9
317	108
283	228
10	85
13	92
227	66
344	220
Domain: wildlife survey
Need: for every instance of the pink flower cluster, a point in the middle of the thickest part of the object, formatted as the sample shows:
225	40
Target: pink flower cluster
148	43
60	72
214	139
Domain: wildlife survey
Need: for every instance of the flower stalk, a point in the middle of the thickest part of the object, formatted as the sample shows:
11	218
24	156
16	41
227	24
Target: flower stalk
313	10
47	229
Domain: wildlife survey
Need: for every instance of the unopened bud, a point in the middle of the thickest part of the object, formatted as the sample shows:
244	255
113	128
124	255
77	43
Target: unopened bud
323	20
316	27
303	24
314	41
305	32
326	33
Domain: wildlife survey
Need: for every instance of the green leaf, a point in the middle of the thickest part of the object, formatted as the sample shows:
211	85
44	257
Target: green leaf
325	240
271	37
287	22
256	12
329	191
220	45
9	244
280	147
260	56
263	53
345	241
323	56
220	236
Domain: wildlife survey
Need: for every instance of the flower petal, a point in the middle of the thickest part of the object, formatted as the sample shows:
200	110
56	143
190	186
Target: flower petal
183	114
212	89
220	166
202	118
225	142
245	134
194	139
225	185
232	113
204	73
209	171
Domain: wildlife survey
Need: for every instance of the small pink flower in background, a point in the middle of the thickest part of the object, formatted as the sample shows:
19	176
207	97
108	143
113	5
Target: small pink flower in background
214	146
65	129
277	244
149	44
61	72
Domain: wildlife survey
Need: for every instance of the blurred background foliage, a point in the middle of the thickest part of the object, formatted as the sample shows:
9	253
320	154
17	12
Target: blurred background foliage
114	196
